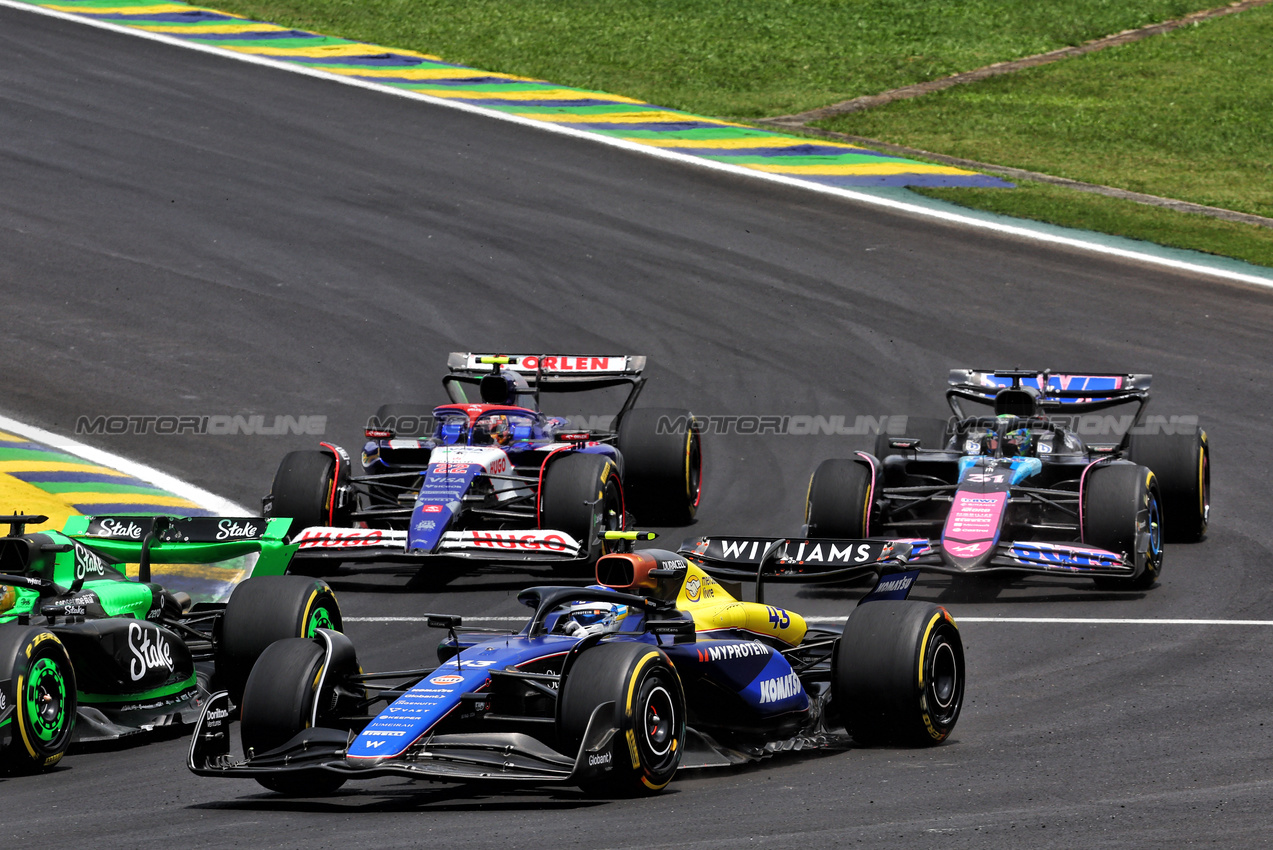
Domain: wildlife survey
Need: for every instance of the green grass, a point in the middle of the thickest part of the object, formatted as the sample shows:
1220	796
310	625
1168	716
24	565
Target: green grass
743	58
1069	208
1185	115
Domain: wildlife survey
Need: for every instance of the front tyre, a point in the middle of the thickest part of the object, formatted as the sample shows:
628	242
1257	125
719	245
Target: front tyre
640	694
265	609
278	702
41	691
663	464
839	501
582	496
305	489
1122	513
898	676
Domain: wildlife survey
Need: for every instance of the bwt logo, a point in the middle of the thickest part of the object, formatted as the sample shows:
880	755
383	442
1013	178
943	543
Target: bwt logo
213	425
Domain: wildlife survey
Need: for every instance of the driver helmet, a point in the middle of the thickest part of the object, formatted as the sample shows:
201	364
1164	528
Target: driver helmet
1018	443
497	429
8	597
582	619
990	443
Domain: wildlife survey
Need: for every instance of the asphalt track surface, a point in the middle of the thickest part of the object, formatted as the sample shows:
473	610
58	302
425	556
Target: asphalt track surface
182	234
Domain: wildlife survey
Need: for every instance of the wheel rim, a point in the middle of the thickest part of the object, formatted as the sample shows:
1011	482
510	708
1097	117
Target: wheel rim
320	618
46	700
943	686
659	721
945	676
1154	556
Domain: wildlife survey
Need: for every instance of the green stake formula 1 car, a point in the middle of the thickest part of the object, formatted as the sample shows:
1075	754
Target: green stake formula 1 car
88	653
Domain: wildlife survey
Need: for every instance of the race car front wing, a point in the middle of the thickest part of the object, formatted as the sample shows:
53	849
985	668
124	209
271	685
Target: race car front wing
470	757
387	545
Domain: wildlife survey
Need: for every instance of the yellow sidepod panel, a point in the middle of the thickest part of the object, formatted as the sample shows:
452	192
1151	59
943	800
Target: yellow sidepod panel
712	608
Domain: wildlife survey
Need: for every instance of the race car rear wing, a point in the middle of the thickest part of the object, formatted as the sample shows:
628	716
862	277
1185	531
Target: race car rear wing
796	559
896	563
204	557
1052	392
551	368
550	373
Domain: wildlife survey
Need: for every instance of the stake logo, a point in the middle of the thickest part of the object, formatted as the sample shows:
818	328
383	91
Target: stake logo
228	529
111	527
87	562
150	651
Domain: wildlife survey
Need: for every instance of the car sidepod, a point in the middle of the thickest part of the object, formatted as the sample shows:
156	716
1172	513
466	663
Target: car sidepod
130	674
740	688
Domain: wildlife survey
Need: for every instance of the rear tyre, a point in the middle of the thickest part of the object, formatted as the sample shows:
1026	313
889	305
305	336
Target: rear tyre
898	676
582	496
662	467
1122	513
932	433
278	703
839	501
304	489
1182	465
41	689
263	610
642	697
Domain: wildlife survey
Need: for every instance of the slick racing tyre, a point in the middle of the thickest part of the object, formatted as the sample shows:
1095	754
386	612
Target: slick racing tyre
662	466
582	496
1182	465
932	433
304	489
37	697
640	695
278	703
839	501
265	609
1122	513
898	674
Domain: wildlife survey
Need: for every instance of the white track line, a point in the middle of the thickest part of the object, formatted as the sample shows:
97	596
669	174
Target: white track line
900	206
1091	621
173	485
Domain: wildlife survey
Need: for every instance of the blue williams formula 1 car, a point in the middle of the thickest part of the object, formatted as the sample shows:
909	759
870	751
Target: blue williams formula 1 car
609	688
489	477
1021	491
89	653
